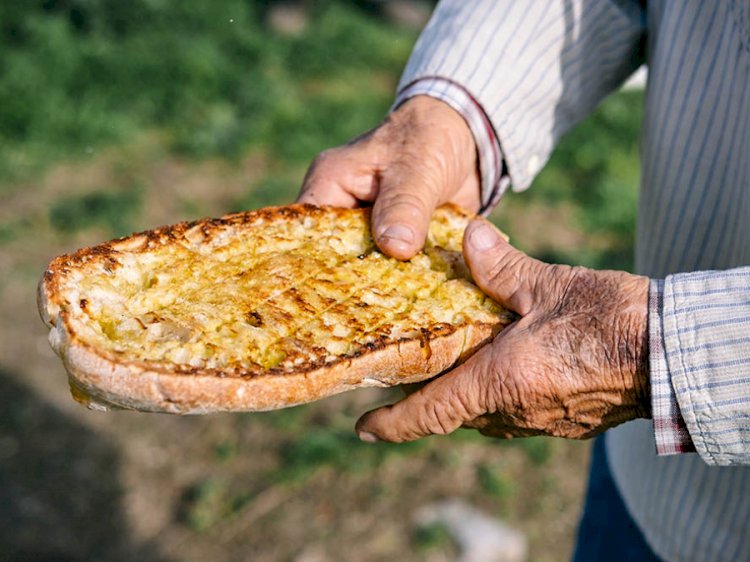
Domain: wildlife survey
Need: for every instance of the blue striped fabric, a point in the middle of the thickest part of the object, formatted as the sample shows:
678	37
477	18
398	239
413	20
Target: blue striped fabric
710	375
536	67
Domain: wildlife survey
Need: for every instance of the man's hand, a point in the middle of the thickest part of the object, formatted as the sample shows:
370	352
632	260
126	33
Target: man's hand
421	156
573	365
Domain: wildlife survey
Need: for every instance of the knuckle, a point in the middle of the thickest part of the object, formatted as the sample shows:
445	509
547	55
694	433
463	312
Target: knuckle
497	270
318	167
324	159
416	170
403	200
512	263
506	275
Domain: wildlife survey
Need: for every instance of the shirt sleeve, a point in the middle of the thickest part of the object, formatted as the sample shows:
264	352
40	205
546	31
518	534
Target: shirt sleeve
535	68
702	356
494	177
670	432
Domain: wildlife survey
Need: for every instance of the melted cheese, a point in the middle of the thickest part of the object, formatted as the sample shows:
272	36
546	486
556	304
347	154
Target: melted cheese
282	294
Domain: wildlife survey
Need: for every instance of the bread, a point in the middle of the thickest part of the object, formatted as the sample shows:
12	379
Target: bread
260	310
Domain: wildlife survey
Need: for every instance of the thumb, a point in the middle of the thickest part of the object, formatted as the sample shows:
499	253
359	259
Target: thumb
402	211
438	408
507	275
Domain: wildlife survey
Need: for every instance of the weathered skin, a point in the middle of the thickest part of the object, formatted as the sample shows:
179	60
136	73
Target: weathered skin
573	365
421	156
576	361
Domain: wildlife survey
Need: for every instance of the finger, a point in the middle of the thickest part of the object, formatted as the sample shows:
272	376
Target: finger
502	272
326	192
401	214
341	177
468	195
439	408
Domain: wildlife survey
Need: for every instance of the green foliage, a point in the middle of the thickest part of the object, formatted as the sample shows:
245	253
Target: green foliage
494	483
210	501
12	229
305	126
114	210
7	233
341	38
84	72
316	448
596	167
537	449
290	420
270	191
432	537
225	451
338	448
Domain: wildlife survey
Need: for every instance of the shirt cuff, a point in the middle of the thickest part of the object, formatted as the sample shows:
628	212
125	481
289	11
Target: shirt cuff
494	176
670	431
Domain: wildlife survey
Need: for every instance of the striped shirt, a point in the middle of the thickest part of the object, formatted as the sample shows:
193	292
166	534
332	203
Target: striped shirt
522	73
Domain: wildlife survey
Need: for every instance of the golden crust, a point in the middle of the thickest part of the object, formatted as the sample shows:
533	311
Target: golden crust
103	378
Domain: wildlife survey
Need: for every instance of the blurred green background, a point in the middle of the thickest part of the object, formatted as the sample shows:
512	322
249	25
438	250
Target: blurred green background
119	116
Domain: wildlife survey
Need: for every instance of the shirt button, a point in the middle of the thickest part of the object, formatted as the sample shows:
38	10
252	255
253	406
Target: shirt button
532	167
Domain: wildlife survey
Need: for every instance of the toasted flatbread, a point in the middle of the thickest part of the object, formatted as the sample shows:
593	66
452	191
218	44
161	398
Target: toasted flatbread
261	310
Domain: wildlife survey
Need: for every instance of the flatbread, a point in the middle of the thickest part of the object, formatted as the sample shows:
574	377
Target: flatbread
261	310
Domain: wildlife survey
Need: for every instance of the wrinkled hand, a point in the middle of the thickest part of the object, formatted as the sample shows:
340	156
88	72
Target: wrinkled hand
573	365
421	156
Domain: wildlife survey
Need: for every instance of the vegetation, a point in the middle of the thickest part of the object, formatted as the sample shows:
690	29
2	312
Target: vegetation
79	73
113	210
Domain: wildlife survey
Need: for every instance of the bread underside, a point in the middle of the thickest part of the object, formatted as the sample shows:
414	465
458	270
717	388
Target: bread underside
261	310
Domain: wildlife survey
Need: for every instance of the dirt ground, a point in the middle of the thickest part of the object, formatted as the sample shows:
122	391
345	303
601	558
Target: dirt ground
288	486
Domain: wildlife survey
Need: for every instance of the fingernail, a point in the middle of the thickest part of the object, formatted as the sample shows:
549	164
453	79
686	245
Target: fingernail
399	232
483	237
368	437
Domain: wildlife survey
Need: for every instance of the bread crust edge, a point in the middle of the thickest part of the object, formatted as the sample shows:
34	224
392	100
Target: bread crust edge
102	384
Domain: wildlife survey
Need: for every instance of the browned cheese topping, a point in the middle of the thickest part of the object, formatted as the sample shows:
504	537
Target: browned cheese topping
270	292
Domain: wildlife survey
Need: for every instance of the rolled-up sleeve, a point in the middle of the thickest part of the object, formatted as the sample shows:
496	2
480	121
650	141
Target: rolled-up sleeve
535	68
705	342
492	170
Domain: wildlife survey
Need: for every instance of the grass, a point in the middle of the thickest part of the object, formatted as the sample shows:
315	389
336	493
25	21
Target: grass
494	483
113	210
211	501
310	445
336	446
432	537
78	75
